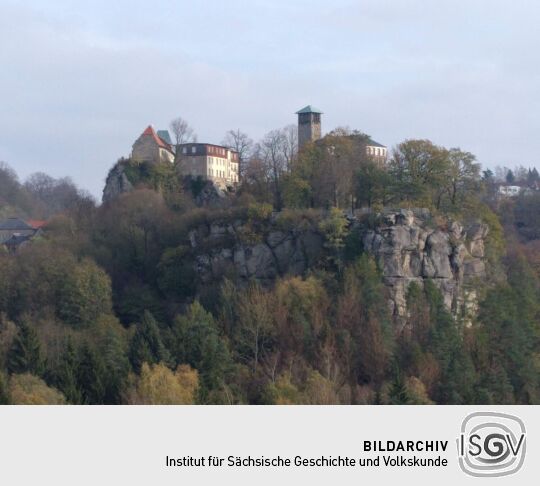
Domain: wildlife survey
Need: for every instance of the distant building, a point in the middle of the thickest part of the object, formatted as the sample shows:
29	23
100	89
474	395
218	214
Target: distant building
12	226
377	152
152	147
213	162
309	125
309	130
14	232
511	191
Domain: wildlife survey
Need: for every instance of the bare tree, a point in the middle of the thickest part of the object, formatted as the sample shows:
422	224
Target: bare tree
241	143
273	156
182	132
290	144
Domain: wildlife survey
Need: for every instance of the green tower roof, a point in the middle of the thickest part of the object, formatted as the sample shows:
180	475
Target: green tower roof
308	109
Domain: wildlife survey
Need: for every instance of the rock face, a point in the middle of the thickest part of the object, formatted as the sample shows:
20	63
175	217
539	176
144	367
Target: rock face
204	192
406	244
271	254
116	184
408	249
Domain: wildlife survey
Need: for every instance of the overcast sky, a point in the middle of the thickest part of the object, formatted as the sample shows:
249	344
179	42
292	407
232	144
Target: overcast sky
79	81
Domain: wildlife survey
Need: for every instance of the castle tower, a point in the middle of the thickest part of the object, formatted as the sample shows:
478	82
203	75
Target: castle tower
309	125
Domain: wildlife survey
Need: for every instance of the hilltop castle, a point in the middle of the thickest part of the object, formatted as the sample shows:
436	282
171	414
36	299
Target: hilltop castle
213	162
218	163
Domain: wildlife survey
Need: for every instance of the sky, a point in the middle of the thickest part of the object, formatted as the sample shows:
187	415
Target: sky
80	80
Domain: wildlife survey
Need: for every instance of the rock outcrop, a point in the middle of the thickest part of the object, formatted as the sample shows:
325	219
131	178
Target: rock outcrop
204	192
273	254
116	184
407	245
408	248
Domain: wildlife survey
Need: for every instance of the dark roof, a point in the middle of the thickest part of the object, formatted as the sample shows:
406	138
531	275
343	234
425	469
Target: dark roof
202	144
17	239
373	143
309	109
165	136
13	224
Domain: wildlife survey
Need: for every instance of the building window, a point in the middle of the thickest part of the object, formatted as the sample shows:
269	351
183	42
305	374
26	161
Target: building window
184	150
193	150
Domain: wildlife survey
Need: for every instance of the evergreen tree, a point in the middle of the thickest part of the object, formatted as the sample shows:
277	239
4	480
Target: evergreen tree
398	394
24	355
90	376
147	345
446	341
66	375
117	367
4	394
510	178
197	343
510	316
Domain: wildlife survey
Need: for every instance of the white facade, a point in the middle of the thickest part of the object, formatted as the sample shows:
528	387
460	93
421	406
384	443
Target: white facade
212	162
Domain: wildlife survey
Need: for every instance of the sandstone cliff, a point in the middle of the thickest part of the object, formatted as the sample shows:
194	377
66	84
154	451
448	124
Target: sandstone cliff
406	244
116	183
408	248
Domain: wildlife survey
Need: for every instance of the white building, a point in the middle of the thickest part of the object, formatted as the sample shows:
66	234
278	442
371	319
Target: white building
213	162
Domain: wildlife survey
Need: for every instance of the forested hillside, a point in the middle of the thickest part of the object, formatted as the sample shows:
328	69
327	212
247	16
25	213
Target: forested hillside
147	298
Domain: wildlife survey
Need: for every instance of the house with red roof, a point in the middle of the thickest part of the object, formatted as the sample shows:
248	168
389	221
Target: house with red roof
153	147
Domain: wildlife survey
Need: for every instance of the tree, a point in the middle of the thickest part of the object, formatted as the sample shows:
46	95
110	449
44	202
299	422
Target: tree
532	176
334	229
254	331
90	376
328	167
510	332
464	176
176	274
241	144
158	385
84	294
53	196
290	145
197	343
372	185
25	353
301	317
273	155
27	389
362	317
526	213
4	390
13	196
116	362
420	170
130	233
457	374
182	132
65	376
146	345
398	394
510	178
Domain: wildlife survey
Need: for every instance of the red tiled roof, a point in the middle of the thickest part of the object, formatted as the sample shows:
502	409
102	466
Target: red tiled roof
36	223
150	132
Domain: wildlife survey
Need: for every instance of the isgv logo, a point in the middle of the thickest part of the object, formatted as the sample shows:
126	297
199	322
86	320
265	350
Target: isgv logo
491	444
